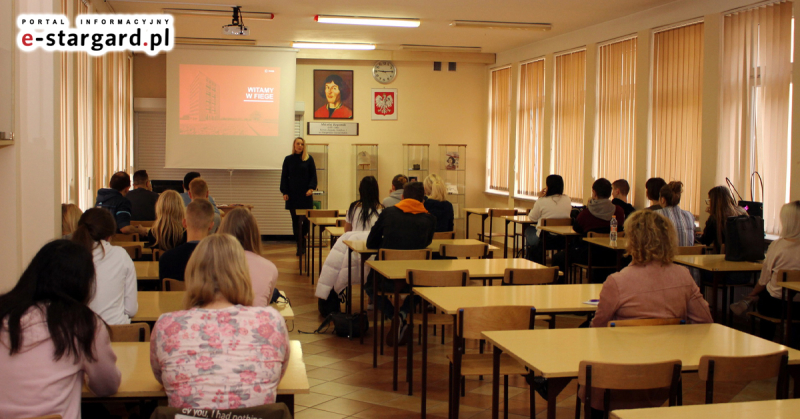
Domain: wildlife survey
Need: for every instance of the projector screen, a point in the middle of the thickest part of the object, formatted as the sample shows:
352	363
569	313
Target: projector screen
229	107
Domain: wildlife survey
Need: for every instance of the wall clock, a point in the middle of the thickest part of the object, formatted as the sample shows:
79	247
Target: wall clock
384	72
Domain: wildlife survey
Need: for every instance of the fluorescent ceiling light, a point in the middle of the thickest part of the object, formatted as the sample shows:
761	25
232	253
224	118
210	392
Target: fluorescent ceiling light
215	41
500	25
319	45
370	21
439	48
219	13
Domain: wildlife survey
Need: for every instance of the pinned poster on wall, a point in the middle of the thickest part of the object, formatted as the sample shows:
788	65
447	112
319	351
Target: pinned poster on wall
384	104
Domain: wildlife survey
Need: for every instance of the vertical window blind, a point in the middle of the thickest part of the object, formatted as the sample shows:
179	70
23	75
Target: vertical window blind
677	110
568	120
531	128
499	112
756	94
615	147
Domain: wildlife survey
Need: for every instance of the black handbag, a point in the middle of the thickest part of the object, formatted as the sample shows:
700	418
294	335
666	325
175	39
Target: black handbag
744	239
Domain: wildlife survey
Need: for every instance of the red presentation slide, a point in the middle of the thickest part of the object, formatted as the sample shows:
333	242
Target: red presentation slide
229	100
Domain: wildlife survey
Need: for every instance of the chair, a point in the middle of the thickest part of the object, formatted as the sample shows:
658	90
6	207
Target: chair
689	250
606	376
134	237
533	277
340	222
645	322
745	368
444	235
471	323
784	276
169	284
479	251
581	267
134	332
157	254
551	222
134	251
147	224
495	212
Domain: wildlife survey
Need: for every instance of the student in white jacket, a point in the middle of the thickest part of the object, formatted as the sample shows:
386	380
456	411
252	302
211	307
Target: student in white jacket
552	203
115	292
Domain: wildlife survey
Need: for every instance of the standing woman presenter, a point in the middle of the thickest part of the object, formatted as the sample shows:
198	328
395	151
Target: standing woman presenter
298	182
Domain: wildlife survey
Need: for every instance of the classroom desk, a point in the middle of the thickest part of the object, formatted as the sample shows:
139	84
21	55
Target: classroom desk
790	289
556	354
719	267
318	222
145	250
396	270
524	221
548	299
335	233
484	214
146	270
565	231
775	409
138	382
152	304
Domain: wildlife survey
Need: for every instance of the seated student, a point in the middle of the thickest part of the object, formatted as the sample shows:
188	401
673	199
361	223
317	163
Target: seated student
437	204
167	231
619	191
113	199
114	297
720	206
407	225
682	220
362	214
198	222
241	224
653	191
143	199
781	254
198	189
185	195
70	214
596	217
50	340
396	193
552	203
220	352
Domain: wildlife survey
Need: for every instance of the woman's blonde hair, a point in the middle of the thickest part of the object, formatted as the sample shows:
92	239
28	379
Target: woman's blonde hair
651	237
217	266
241	224
70	214
790	220
305	148
168	227
434	187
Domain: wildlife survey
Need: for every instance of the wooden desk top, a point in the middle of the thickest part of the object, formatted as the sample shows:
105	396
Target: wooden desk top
560	230
546	298
152	304
146	270
558	352
324	221
145	250
519	219
335	231
716	263
303	212
485	211
478	268
133	360
606	242
776	409
360	246
794	286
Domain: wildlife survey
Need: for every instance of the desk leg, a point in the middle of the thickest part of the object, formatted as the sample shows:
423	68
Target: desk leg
787	331
313	247
466	224
566	260
523	241
714	288
589	270
554	388
374	319
543	241
458	343
505	241
348	305
320	252
361	291
410	348
423	409
496	383
395	346
299	230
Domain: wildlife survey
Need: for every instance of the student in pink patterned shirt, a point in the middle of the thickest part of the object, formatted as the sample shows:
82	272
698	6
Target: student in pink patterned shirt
219	353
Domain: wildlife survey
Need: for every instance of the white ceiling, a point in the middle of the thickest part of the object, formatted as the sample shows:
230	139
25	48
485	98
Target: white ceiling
294	19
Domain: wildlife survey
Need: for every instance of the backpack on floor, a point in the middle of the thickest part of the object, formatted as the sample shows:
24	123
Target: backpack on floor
329	305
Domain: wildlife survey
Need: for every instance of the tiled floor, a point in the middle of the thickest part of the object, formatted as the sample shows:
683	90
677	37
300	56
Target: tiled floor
344	384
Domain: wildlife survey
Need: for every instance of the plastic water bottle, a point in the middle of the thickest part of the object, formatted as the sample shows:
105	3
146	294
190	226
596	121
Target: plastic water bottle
613	235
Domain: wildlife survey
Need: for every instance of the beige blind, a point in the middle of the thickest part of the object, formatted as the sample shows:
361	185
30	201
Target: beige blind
677	110
616	104
568	120
499	110
754	122
531	128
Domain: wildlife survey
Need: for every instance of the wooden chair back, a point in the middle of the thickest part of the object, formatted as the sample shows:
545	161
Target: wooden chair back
134	251
169	284
417	278
553	222
444	235
134	332
322	213
645	322
530	276
689	250
147	224
157	254
629	376
785	275
464	250
472	321
340	223
134	237
394	254
497	212
744	368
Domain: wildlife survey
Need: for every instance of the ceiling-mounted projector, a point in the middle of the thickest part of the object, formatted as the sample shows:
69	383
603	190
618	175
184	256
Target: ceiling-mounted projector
237	24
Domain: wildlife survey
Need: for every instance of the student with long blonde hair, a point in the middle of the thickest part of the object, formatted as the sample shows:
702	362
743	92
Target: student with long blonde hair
70	214
436	202
219	341
167	231
241	224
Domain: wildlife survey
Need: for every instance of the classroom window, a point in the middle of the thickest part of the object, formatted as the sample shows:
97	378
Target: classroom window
568	120
531	128
615	146
756	96
676	108
499	112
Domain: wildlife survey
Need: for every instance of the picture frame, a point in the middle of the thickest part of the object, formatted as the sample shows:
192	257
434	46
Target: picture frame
384	104
337	101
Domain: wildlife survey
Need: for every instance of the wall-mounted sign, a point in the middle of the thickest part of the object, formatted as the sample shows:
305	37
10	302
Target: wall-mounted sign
332	128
